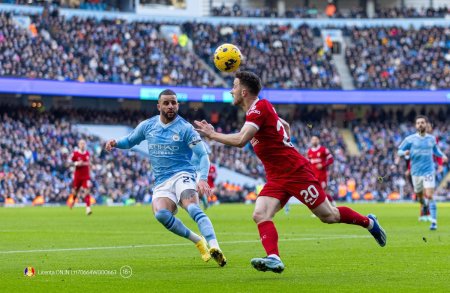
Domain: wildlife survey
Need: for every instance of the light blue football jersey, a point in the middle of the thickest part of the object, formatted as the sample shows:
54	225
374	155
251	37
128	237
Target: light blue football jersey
168	145
421	150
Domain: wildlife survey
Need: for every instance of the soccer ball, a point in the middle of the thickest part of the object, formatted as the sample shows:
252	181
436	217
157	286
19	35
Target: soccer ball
227	58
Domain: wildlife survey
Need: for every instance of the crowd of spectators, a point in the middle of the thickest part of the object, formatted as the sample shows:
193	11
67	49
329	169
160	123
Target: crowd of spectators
35	148
99	5
117	51
399	58
236	10
96	51
35	151
409	12
283	56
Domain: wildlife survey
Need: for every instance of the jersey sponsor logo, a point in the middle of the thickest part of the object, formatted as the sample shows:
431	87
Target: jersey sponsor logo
163	149
253	110
176	137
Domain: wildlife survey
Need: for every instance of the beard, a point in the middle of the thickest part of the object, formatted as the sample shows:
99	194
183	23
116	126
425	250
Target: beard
170	116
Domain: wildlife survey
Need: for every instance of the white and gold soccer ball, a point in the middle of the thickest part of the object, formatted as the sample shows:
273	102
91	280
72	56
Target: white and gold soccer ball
227	58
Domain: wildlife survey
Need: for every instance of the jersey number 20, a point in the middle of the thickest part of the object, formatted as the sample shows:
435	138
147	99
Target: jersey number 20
310	194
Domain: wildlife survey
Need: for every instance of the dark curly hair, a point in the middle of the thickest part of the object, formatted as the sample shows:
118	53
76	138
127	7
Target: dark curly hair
250	80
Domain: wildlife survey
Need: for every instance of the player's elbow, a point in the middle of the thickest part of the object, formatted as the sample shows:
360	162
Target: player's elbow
241	144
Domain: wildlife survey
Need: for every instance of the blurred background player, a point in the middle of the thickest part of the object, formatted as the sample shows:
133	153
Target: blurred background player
424	208
81	176
171	144
212	175
420	147
320	158
288	173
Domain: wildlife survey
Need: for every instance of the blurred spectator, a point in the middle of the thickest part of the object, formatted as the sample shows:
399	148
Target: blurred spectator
96	51
99	5
282	55
398	58
331	11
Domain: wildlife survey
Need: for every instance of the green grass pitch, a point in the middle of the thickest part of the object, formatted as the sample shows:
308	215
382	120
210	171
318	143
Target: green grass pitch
318	257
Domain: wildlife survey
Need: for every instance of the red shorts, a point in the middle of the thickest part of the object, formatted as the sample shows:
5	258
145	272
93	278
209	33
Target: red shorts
77	183
303	185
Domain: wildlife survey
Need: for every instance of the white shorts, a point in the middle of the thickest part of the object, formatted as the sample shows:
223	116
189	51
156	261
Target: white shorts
421	182
174	186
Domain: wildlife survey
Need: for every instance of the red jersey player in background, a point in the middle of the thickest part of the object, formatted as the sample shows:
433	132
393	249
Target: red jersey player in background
288	173
212	175
80	158
320	158
424	207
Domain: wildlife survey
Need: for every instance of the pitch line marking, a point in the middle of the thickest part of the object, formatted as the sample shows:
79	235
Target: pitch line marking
174	244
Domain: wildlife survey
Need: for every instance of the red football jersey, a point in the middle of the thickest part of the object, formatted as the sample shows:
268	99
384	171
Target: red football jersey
81	172
212	174
320	155
271	143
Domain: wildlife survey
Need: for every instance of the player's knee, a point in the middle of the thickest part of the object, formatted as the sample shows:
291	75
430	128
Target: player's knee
329	217
260	216
163	216
188	196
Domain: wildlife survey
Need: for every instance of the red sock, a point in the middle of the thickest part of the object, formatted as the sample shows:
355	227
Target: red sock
349	216
330	199
87	200
269	237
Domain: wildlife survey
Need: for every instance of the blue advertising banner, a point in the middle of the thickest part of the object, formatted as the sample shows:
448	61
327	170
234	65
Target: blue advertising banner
221	95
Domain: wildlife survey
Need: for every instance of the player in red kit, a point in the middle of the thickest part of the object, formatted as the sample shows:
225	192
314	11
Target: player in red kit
320	158
288	173
80	158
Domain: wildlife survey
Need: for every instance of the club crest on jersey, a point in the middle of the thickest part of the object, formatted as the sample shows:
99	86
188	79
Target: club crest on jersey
176	137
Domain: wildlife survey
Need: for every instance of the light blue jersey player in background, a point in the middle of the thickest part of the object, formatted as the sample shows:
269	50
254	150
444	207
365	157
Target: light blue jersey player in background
420	147
171	144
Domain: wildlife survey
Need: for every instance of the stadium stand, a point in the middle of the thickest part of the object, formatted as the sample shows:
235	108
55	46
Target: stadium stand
398	58
235	10
292	58
100	51
136	53
35	147
97	5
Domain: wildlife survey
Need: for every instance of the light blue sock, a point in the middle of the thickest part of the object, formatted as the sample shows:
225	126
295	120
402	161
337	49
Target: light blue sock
204	223
174	225
433	210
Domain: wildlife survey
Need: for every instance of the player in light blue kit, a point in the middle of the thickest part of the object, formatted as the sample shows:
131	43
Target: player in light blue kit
171	144
420	147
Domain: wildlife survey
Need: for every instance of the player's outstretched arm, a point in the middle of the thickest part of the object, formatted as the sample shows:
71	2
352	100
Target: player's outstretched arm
129	141
239	139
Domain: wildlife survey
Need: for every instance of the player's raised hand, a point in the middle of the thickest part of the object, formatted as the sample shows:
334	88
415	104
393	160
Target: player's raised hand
204	128
110	144
203	188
